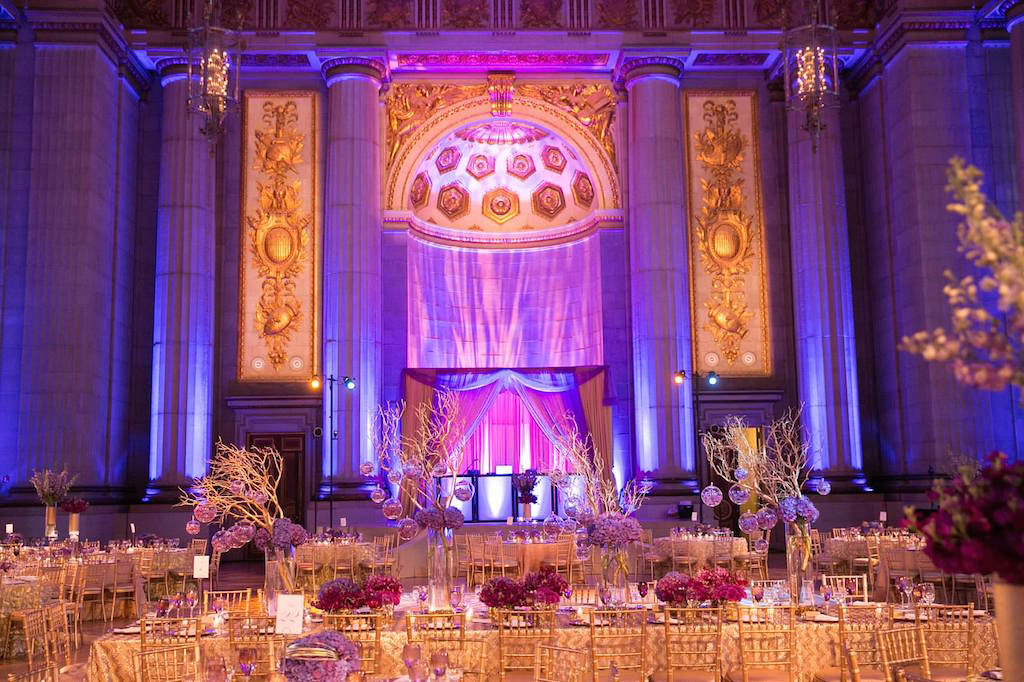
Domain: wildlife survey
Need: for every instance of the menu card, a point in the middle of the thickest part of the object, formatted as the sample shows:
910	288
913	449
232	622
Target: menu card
9	528
201	567
288	620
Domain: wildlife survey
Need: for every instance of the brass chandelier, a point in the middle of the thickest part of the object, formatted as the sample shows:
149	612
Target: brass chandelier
811	69
214	58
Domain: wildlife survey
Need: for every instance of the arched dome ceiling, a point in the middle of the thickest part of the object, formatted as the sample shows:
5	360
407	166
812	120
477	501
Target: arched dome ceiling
502	176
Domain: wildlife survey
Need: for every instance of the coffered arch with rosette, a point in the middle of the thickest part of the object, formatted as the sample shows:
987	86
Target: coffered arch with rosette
464	176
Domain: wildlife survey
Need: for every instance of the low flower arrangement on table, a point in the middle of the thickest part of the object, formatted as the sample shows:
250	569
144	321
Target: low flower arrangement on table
540	589
375	593
714	586
325	656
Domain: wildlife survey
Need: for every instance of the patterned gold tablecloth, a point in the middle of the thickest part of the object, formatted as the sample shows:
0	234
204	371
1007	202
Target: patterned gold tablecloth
701	549
111	656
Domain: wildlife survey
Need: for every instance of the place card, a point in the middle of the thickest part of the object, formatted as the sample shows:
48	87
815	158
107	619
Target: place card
288	620
9	528
509	521
693	516
882	516
201	567
343	522
131	526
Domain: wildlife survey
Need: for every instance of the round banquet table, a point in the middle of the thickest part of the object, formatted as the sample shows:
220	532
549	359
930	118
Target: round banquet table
111	657
700	548
846	549
16	594
530	555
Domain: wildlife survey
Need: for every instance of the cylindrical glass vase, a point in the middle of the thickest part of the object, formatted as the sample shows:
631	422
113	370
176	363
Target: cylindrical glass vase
798	557
440	567
51	521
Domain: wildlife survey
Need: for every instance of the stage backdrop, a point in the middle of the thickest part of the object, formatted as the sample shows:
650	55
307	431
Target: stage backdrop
728	280
278	318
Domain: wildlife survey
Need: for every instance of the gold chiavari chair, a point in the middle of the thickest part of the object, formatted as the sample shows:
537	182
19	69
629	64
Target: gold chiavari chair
856	585
253	642
58	635
233	601
902	648
500	563
36	641
519	633
440	626
822	560
618	642
306	568
478	563
858	625
365	630
97	578
471	659
583	595
382	558
214	567
462	557
852	668
179	569
900	562
344	561
176	663
122	584
948	639
47	674
869	563
722	552
559	664
76	599
198	546
753	563
693	643
563	557
644	557
767	644
162	632
159	565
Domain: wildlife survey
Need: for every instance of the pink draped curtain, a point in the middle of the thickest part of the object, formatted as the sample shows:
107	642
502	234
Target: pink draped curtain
509	436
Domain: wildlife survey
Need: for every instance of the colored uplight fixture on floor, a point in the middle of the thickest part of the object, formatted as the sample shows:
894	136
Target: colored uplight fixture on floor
350	383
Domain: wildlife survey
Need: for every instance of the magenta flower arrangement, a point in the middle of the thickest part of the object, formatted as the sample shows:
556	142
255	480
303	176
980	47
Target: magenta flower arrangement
715	585
319	669
979	524
74	505
503	593
375	592
540	587
382	590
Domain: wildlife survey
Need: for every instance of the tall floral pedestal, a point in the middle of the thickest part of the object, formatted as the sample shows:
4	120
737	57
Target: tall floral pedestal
51	522
279	578
440	567
798	557
73	521
524	511
1009	602
615	575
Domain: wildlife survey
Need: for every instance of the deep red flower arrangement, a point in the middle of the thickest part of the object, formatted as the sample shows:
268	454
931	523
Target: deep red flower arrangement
74	505
715	585
979	524
377	591
543	587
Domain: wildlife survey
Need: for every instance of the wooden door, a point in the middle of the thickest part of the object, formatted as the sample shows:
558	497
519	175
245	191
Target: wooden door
292	447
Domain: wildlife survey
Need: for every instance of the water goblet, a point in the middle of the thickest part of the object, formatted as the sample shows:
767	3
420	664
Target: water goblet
246	662
455	597
916	593
439	664
410	657
421	594
641	587
928	593
757	593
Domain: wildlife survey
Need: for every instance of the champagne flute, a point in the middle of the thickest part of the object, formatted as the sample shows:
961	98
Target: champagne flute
439	664
410	657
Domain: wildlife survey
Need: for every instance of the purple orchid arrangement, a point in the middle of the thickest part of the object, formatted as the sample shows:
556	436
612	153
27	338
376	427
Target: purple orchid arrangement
979	524
52	486
345	658
525	483
612	531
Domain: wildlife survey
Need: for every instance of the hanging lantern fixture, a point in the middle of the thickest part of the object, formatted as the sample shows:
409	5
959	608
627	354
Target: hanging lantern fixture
811	68
214	58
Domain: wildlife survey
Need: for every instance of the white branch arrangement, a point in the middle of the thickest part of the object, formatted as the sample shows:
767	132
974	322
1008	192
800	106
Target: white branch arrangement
241	485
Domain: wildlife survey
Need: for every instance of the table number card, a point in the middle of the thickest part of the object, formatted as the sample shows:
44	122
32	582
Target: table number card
883	516
343	522
201	567
131	526
508	521
9	528
693	516
289	614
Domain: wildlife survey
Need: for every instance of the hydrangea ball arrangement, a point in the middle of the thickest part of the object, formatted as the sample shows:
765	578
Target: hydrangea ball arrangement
344	658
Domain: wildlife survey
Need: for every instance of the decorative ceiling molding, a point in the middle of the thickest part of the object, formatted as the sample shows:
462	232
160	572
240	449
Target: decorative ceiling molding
524	61
730	59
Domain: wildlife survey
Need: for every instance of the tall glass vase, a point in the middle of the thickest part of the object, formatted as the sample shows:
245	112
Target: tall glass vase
279	577
798	557
615	575
51	521
440	567
73	521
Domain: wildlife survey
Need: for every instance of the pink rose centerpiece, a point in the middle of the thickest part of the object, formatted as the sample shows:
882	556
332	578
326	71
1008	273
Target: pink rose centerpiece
710	585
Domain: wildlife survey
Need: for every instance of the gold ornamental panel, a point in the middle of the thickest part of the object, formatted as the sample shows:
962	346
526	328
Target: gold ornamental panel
279	250
728	279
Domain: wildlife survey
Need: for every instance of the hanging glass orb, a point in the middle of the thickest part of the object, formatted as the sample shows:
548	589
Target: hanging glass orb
583	552
236	487
569	525
412	470
395	474
760	545
366	468
205	512
407	529
739	494
439	470
767	518
552	525
740	474
464	491
378	495
392	509
711	496
748	522
556	476
824	487
192	527
571	507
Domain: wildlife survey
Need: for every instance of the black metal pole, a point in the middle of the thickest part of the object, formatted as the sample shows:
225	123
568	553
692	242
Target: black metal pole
333	435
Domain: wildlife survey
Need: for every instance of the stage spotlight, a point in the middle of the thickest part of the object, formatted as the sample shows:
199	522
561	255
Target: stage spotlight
712	379
350	383
679	377
314	383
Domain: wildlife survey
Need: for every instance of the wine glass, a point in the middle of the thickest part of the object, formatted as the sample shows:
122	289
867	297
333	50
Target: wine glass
568	592
928	593
605	595
455	597
410	657
246	662
421	594
904	586
439	664
757	593
642	588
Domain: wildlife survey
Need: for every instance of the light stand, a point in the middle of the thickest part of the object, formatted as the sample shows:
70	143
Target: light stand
350	384
712	379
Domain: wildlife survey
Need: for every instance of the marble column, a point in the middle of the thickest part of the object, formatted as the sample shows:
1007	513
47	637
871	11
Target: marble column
822	299
1015	26
180	439
352	264
659	269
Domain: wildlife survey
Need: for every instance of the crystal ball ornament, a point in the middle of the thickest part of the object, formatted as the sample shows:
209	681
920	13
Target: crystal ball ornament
392	509
407	529
740	474
192	527
760	545
556	476
464	491
552	525
366	468
711	496
767	518
738	494
236	487
395	475
205	512
378	495
582	552
412	470
748	522
439	470
824	487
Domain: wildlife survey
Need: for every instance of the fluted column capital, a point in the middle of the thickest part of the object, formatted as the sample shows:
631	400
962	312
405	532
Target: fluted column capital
639	67
335	69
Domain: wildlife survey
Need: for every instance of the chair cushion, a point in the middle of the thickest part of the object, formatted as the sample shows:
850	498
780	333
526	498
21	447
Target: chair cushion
833	674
